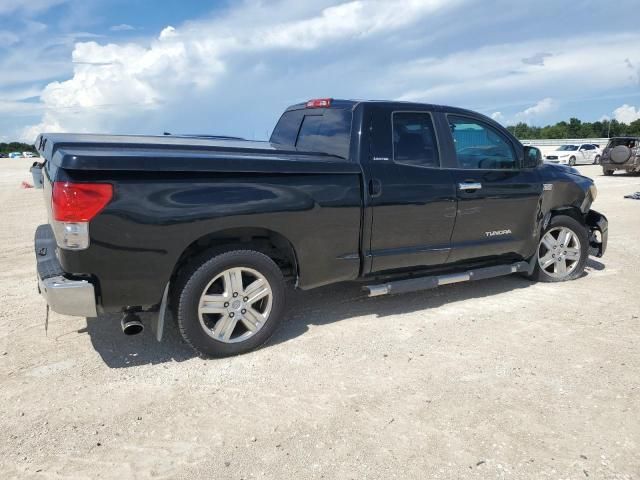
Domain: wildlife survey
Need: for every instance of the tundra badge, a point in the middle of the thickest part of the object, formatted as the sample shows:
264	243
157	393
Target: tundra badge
498	232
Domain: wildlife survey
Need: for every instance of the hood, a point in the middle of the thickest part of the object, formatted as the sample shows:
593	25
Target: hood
567	169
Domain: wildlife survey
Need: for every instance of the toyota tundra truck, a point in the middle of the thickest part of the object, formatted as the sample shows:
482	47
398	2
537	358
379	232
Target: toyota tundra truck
399	196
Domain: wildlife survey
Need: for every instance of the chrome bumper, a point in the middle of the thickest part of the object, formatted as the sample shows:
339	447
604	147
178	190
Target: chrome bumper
68	297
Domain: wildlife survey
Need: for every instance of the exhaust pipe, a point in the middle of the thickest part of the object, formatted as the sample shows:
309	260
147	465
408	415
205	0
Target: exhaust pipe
131	324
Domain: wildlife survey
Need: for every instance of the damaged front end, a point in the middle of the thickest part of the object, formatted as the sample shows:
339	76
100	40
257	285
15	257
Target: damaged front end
598	232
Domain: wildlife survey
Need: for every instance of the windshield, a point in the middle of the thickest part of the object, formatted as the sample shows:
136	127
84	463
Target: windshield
628	142
568	148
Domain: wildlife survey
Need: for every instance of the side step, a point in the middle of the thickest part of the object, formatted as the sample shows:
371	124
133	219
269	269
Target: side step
425	283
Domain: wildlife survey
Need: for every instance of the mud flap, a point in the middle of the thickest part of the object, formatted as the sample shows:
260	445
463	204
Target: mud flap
158	324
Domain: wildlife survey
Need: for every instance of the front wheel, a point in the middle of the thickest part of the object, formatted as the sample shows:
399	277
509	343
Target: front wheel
562	251
231	303
572	161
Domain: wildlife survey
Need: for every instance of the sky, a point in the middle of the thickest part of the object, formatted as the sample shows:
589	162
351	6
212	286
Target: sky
231	67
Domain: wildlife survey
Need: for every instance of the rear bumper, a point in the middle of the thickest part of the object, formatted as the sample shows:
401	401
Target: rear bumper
64	295
632	164
598	233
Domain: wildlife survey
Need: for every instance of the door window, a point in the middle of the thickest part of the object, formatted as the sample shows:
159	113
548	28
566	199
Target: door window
414	140
479	146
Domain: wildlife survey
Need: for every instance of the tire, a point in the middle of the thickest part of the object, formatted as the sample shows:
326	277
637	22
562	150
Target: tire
572	161
620	154
232	325
596	160
607	172
574	262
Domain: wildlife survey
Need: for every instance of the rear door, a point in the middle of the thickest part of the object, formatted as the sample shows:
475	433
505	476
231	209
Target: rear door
498	200
411	197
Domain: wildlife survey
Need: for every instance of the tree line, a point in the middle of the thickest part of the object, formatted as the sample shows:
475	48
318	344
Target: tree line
6	148
576	128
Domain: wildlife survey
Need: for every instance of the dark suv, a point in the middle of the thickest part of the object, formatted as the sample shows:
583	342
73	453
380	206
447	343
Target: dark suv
621	153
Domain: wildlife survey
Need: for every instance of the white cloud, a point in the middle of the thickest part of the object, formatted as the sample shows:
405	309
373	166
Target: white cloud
497	116
123	27
626	113
497	76
234	72
359	18
542	107
113	81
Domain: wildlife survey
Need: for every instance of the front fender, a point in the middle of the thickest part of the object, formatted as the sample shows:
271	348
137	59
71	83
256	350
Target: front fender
598	232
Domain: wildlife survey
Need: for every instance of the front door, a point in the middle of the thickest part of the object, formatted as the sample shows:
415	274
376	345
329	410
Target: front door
412	199
498	201
588	153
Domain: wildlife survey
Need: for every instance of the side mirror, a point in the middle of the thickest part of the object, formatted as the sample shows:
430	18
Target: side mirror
532	157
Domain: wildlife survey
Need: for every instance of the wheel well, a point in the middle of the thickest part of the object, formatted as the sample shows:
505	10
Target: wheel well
272	244
572	212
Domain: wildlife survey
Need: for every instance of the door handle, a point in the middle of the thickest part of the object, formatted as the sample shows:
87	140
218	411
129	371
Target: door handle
469	186
375	187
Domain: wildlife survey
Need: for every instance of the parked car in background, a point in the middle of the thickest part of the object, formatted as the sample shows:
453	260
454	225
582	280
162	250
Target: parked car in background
28	154
15	155
582	154
621	153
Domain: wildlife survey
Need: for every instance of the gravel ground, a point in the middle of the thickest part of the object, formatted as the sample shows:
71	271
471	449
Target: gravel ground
497	379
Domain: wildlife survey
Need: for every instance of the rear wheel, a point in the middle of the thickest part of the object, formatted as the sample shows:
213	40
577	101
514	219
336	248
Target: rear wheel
596	160
231	303
562	251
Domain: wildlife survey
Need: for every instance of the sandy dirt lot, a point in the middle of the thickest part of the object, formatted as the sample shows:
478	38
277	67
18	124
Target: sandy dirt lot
498	379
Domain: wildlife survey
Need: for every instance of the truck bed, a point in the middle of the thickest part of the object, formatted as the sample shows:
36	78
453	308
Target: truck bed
182	154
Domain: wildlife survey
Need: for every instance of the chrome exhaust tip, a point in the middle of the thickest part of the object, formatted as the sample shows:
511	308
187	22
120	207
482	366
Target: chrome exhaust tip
131	324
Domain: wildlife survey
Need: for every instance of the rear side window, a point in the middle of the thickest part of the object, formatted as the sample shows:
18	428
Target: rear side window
313	130
286	131
414	140
629	142
479	146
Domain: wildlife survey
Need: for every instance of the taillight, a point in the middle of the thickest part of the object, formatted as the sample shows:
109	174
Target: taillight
319	103
73	206
79	202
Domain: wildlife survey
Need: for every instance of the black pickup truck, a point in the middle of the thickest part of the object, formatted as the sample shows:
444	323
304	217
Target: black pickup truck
399	196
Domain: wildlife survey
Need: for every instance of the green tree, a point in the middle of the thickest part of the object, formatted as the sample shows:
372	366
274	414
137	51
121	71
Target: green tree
575	128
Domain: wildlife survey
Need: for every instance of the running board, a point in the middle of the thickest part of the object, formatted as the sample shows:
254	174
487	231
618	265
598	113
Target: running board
425	283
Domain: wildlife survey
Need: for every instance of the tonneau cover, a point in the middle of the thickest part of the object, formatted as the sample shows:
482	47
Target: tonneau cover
182	154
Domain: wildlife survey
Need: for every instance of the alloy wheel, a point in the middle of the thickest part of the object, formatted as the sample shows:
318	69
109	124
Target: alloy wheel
235	305
559	252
